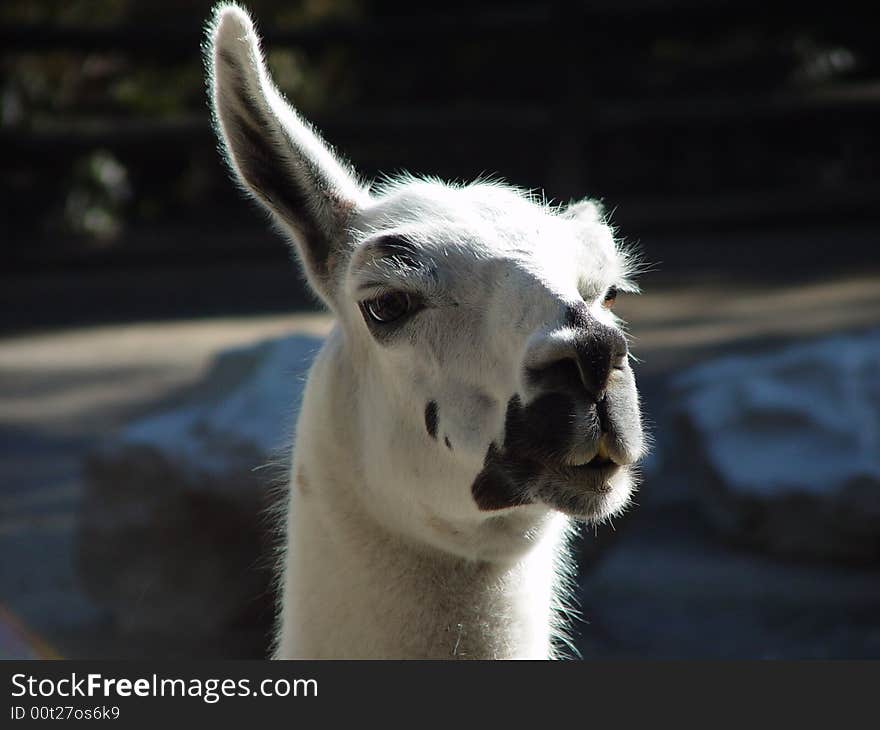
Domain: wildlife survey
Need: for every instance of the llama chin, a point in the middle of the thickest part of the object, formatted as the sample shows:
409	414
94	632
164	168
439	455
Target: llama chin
473	402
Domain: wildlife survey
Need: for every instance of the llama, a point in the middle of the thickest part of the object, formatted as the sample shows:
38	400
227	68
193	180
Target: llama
473	401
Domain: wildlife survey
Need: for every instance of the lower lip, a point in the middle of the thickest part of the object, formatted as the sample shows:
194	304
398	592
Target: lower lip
594	476
594	472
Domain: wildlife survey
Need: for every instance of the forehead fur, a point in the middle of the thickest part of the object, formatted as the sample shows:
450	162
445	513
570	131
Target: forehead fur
431	202
491	220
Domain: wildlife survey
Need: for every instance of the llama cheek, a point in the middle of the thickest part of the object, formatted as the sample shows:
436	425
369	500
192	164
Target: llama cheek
495	487
492	491
442	528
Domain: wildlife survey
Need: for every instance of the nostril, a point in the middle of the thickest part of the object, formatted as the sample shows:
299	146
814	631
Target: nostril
571	375
579	363
560	376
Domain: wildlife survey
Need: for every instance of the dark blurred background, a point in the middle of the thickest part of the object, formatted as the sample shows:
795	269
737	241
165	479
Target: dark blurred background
736	143
678	115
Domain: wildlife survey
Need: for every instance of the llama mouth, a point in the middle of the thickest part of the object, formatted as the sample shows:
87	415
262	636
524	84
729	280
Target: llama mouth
598	462
580	474
593	475
596	456
508	481
571	487
589	492
601	460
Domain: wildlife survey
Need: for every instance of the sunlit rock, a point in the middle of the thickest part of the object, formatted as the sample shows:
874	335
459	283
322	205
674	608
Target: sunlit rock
786	446
176	532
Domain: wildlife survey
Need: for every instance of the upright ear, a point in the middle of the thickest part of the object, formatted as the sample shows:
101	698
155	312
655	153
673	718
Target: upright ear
275	154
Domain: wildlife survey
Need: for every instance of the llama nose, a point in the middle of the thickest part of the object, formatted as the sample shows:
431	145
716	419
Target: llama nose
582	363
598	351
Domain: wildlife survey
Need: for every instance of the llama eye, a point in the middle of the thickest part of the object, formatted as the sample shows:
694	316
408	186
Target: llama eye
610	297
388	307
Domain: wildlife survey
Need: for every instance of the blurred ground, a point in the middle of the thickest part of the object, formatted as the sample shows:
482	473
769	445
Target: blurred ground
85	353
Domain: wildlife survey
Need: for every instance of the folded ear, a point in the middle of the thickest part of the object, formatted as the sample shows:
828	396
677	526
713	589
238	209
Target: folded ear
586	211
275	154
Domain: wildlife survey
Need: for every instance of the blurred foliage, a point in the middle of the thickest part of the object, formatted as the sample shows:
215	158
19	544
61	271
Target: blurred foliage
156	83
65	12
53	90
114	133
97	198
105	13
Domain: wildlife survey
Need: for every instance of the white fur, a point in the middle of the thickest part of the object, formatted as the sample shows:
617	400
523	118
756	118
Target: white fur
387	554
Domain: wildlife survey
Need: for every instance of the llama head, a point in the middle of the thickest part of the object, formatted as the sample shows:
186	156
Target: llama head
488	377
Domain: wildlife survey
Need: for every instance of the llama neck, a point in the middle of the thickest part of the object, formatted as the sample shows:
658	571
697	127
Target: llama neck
353	590
354	587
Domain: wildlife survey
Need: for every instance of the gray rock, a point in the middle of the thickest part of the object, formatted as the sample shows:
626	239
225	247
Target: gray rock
176	533
786	446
